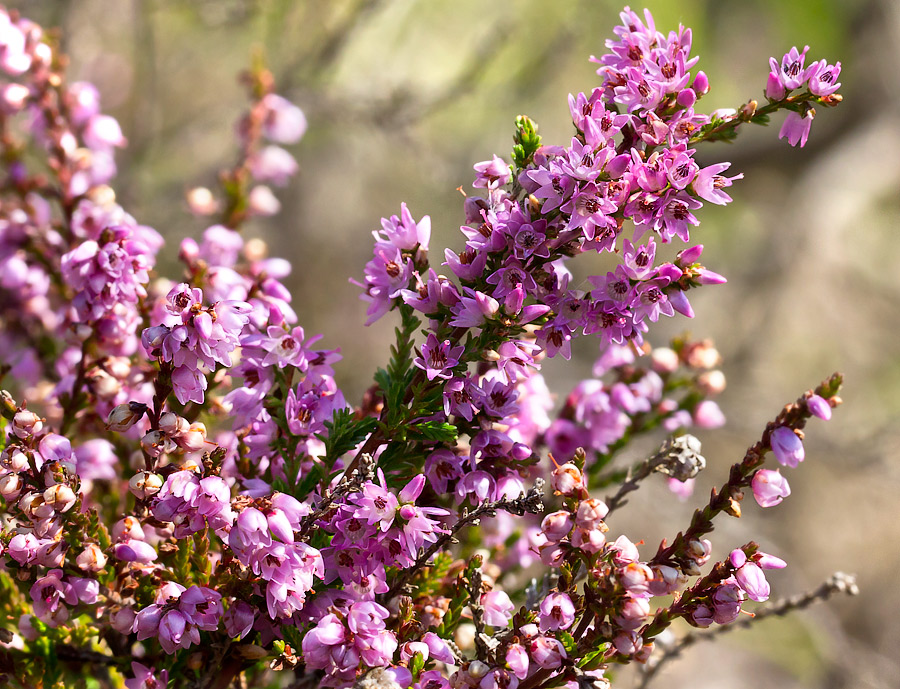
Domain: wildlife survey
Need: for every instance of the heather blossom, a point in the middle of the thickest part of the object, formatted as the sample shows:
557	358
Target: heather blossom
271	525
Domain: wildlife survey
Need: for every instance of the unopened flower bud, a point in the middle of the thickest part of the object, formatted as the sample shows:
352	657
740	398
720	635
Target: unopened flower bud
171	424
26	423
700	551
193	439
664	360
104	386
60	497
701	83
154	443
124	416
91	559
261	201
711	382
702	355
145	484
7	404
787	446
733	508
567	479
201	201
477	669
818	406
10	485
590	513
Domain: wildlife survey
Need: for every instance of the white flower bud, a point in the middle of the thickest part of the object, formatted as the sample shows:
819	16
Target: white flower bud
712	382
26	423
194	439
155	443
477	669
60	497
91	559
124	416
10	485
145	484
201	201
105	386
172	425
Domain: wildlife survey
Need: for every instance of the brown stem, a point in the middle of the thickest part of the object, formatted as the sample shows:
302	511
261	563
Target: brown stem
70	409
793	416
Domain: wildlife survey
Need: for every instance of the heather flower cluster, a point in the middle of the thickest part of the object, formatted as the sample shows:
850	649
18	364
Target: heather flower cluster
183	483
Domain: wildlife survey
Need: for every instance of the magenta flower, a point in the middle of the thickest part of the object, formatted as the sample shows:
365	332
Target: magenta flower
146	678
492	174
437	359
557	612
498	608
819	407
751	579
787	446
769	487
796	127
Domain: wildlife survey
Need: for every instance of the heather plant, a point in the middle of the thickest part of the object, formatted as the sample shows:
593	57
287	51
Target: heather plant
189	500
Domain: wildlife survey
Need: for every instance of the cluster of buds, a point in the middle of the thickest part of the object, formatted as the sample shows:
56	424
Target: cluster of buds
173	433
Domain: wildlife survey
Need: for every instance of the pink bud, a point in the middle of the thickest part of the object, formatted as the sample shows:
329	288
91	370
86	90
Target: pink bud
556	526
787	446
769	487
701	83
819	407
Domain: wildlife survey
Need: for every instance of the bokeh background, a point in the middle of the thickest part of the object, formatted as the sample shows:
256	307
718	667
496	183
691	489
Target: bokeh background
403	96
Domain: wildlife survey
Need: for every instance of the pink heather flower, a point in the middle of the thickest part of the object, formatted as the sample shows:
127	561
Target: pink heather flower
590	513
556	526
107	272
492	174
769	487
708	414
404	232
751	579
438	358
796	127
823	78
767	561
517	660
787	446
284	122
557	612
547	652
726	601
472	311
376	504
709	183
273	164
146	678
498	608
791	73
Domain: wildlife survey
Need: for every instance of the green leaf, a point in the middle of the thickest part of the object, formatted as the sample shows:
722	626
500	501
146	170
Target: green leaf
437	431
567	641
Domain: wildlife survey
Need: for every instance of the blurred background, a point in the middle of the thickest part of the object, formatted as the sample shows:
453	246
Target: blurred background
404	96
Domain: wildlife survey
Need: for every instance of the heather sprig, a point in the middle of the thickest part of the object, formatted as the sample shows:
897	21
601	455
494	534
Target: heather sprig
182	480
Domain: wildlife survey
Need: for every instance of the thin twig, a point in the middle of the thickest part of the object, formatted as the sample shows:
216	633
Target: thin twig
839	582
